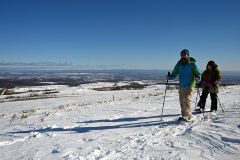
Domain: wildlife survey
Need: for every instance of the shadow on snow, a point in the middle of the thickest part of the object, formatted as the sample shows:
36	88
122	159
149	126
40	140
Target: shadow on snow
107	127
127	119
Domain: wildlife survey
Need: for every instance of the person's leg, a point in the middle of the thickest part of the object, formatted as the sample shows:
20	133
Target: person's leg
203	97
181	100
214	101
188	101
185	95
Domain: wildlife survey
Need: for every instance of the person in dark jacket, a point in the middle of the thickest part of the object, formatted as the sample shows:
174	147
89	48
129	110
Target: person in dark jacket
210	82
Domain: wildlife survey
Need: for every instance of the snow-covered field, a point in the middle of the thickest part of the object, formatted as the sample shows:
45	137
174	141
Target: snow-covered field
80	123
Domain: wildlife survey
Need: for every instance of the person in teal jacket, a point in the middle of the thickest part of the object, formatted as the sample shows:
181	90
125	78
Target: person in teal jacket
188	73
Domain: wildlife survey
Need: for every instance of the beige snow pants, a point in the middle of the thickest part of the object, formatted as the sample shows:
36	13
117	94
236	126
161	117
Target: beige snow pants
185	97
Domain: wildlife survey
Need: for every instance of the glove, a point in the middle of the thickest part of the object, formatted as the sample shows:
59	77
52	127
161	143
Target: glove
199	84
168	76
214	84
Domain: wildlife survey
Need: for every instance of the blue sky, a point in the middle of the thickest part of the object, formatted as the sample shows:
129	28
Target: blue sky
134	34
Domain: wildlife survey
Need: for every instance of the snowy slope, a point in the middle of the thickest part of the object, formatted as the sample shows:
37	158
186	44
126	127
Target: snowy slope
80	123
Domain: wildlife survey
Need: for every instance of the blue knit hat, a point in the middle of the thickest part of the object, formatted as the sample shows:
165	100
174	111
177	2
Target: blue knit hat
185	52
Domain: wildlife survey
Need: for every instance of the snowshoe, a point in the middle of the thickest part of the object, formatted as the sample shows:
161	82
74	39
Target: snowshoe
199	110
213	110
184	118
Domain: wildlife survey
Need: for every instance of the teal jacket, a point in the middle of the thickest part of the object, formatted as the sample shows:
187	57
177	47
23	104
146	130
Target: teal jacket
187	73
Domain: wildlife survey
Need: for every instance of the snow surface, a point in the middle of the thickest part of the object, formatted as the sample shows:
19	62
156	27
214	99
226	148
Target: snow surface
81	123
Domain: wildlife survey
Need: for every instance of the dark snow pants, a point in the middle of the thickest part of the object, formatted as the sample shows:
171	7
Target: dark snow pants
203	98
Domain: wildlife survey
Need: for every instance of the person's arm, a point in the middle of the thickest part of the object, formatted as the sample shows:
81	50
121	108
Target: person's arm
218	75
175	72
217	78
196	71
203	76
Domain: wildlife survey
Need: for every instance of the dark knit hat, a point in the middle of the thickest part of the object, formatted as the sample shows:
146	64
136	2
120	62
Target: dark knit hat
212	64
185	52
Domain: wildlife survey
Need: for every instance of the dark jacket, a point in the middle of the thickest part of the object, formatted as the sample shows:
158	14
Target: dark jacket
211	78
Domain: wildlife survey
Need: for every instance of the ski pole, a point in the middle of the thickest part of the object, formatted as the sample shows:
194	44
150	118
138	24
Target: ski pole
165	95
220	104
197	97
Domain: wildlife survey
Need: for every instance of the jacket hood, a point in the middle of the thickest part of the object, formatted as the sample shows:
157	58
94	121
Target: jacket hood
191	59
185	62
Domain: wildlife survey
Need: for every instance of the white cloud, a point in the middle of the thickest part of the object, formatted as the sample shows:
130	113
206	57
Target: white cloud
35	64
